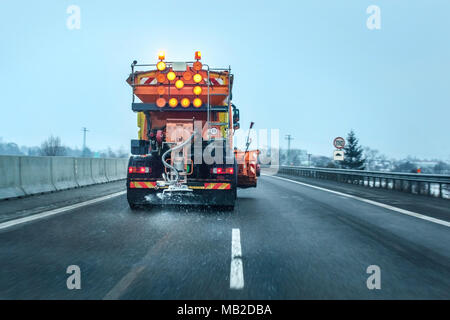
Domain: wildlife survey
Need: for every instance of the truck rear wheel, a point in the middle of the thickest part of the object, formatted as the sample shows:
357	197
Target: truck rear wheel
133	206
228	208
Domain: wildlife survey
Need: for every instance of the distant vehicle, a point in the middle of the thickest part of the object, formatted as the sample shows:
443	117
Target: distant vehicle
185	152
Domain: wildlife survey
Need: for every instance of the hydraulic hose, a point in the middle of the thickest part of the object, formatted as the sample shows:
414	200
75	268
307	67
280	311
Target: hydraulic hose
181	145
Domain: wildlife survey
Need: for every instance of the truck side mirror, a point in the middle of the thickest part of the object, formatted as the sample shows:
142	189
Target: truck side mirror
235	115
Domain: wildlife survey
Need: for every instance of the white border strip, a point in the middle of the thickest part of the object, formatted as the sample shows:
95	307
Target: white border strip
237	269
44	214
375	203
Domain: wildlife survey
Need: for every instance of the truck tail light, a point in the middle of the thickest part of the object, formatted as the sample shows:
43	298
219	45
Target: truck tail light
222	170
139	170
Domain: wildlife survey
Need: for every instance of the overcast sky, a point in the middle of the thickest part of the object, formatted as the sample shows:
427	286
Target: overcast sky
309	68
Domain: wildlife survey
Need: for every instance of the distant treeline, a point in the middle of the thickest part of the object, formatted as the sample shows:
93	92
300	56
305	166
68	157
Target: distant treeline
53	147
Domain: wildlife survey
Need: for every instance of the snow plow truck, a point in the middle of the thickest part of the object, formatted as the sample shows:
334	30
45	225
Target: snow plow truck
184	153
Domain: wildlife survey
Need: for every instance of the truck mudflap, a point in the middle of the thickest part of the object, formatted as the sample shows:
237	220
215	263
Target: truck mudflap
208	193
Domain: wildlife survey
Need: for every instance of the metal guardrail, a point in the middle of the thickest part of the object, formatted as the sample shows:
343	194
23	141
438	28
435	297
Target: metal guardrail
427	184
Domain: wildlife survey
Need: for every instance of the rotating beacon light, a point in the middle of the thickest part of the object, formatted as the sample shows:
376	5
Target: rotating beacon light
161	65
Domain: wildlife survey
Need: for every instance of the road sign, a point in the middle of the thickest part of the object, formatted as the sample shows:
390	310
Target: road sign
339	143
338	155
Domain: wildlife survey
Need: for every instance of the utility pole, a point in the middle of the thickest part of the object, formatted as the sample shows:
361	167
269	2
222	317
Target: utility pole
288	137
84	141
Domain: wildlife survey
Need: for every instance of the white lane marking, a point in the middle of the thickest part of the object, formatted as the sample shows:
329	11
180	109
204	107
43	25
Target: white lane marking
44	214
123	284
237	268
375	203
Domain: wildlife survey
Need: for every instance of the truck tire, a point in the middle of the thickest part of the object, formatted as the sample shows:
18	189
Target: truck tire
228	208
133	206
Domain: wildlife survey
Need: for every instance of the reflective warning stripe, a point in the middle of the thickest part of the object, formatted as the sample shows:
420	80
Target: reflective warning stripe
142	185
218	186
147	80
216	81
152	185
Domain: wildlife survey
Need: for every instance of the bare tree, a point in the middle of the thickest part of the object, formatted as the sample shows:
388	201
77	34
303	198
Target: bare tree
52	147
371	156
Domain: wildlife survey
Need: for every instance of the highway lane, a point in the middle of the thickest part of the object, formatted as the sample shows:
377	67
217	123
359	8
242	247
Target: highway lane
297	243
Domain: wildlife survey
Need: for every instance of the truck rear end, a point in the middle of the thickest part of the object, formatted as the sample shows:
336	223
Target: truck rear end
184	153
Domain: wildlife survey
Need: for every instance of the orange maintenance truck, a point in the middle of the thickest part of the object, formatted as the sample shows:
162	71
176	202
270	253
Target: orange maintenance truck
184	153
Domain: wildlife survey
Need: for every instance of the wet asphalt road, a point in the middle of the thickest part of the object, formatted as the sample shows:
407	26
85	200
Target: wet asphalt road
297	243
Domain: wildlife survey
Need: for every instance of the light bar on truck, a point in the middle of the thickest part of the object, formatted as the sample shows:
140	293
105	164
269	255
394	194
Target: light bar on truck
171	76
197	78
197	90
161	66
179	84
197	66
160	102
160	77
187	76
161	55
197	102
198	55
161	90
173	102
185	102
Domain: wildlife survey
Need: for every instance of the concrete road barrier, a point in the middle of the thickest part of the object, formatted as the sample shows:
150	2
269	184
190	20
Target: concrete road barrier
111	169
36	174
98	170
83	172
23	175
63	173
122	168
10	186
116	169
